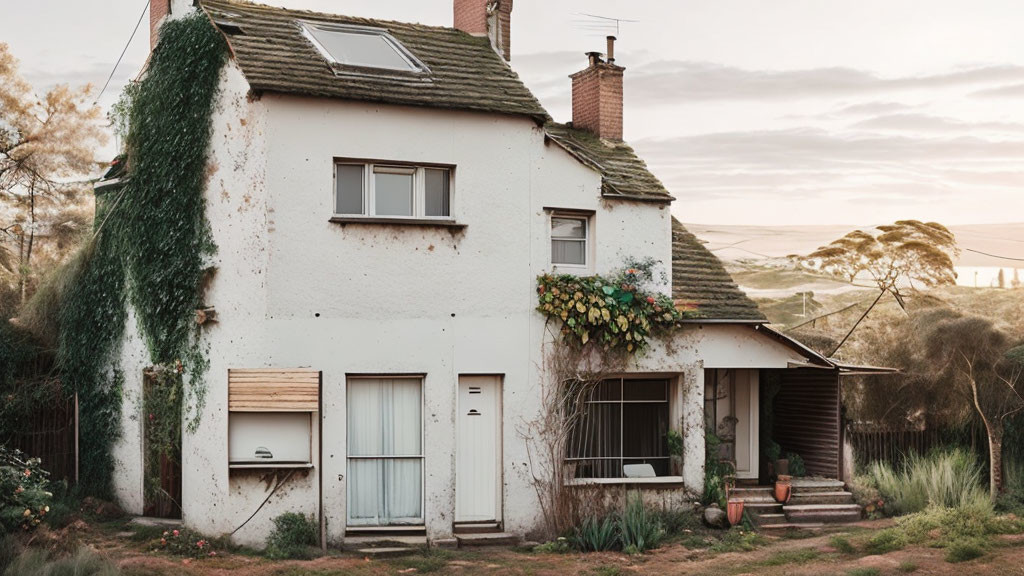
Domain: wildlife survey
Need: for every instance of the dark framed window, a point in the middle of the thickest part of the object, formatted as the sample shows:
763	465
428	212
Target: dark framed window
618	422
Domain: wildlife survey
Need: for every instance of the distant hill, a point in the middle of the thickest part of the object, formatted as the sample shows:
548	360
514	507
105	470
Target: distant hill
734	243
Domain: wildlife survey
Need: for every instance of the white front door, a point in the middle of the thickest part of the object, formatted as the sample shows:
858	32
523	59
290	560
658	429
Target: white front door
478	450
747	425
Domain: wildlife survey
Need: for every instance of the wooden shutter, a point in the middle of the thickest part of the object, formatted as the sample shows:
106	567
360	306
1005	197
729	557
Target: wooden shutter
273	390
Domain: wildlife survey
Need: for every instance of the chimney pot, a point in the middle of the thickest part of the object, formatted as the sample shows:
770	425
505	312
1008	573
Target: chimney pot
611	50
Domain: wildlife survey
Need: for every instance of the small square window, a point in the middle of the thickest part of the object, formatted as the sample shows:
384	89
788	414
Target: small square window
569	236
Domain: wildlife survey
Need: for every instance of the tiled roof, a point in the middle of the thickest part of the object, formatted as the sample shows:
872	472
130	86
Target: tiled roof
464	71
624	174
700	279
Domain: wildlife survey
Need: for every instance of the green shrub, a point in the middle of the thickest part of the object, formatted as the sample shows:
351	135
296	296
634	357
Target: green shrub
639	530
964	551
675	521
187	543
24	498
737	540
789	557
715	471
907	567
949	478
294	536
38	562
797	468
885	541
597	535
559	545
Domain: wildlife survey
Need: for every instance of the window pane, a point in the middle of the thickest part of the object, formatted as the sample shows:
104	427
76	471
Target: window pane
606	390
645	390
393	194
569	252
349	195
360	48
437	192
644	430
568	228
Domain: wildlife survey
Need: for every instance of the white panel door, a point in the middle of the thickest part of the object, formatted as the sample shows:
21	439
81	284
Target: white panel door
478	450
747	414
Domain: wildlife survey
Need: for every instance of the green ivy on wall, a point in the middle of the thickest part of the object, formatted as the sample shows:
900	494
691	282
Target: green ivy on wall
612	312
151	244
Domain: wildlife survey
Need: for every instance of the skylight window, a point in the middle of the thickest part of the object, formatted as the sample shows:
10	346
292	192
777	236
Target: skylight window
361	47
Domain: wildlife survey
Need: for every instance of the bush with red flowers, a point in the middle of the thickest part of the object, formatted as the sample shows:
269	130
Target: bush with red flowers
24	499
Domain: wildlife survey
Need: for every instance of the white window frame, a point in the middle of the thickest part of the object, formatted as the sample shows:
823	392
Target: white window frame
586	240
419	188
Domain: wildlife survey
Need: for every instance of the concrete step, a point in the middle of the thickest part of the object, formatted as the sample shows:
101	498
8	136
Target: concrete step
822	513
487	539
386	552
799	498
478	528
786	527
751	491
384	541
756	509
801	485
754	499
770	519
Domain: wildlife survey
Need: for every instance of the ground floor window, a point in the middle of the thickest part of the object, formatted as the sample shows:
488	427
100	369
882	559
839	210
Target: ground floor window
616	423
385	451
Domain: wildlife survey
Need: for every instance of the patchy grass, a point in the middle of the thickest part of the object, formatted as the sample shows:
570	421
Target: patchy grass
906	567
964	551
428	560
842	544
870	571
738	540
607	570
791	557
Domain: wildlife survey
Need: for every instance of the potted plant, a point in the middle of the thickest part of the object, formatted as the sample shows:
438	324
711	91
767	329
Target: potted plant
780	466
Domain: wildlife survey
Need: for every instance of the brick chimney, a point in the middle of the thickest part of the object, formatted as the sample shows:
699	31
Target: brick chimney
157	10
491	18
597	95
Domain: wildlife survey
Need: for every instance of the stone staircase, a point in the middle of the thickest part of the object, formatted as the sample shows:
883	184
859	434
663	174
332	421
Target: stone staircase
814	503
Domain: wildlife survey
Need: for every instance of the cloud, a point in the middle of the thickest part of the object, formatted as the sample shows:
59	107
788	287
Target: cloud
928	123
674	80
871	108
1010	91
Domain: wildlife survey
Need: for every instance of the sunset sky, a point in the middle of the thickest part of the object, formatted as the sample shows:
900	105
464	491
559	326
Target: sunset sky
751	112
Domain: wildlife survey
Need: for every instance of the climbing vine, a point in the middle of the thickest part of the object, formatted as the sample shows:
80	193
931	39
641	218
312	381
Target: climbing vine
150	247
612	311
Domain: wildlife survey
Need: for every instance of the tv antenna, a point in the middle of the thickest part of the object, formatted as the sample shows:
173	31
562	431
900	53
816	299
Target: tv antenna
604	25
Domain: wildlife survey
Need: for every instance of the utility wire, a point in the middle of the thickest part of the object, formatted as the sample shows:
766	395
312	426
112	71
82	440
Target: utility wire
995	255
118	63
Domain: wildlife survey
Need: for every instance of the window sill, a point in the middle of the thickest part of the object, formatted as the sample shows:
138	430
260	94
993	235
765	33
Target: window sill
269	465
624	481
343	220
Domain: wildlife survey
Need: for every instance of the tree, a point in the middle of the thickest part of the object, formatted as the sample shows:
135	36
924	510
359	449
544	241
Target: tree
45	144
895	257
986	368
1002	279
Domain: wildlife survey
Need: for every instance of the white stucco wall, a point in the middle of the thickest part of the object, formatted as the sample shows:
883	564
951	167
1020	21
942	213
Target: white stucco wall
295	290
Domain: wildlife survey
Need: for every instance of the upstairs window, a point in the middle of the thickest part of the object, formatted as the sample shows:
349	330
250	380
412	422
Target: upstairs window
569	240
392	190
361	47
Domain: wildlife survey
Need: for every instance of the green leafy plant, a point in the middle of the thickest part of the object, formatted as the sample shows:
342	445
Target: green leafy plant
612	312
842	544
559	545
153	231
675	442
964	551
639	530
772	451
950	478
294	536
716	471
797	468
597	534
24	496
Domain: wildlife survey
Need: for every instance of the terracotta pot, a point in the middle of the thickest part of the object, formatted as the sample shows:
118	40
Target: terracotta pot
735	512
783	488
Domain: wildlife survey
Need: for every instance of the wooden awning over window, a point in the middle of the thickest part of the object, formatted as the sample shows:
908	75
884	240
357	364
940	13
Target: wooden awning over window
273	390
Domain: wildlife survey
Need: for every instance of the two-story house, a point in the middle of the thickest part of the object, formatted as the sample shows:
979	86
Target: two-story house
383	196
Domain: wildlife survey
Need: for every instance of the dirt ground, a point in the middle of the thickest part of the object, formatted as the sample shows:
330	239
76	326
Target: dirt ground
778	555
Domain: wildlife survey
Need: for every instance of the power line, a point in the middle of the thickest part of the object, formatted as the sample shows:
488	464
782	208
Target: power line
118	63
995	255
